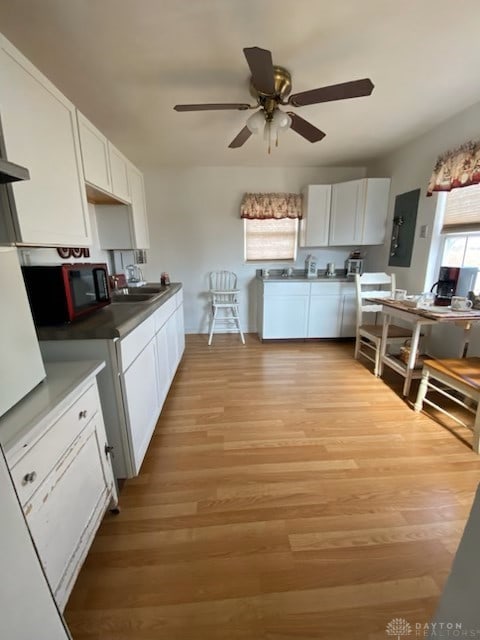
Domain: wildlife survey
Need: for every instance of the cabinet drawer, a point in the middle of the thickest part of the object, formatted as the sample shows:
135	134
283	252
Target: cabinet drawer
326	288
136	341
44	454
162	314
286	289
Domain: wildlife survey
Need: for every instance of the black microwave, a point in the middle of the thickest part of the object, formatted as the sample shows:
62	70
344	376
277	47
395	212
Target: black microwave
62	293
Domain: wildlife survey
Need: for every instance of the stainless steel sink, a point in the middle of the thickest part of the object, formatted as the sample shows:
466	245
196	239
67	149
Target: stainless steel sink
139	294
133	297
145	290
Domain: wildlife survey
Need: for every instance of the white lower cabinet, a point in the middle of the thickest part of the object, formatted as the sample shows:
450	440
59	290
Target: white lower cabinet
64	480
285	310
306	310
139	370
140	387
325	316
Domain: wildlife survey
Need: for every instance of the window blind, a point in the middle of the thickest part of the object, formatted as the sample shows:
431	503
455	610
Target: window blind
271	239
462	212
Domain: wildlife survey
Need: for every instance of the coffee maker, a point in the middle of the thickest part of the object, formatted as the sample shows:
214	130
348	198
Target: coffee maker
454	281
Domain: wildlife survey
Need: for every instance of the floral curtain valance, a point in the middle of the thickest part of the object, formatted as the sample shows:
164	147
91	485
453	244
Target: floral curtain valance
266	206
457	168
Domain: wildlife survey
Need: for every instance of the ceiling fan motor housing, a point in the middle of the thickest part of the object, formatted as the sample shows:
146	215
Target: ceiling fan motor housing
282	84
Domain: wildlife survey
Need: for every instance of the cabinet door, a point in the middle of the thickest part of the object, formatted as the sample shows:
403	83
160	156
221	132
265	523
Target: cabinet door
325	316
172	344
349	316
285	316
40	132
94	146
139	209
314	225
119	173
346	216
376	209
63	514
141	400
180	331
28	609
163	365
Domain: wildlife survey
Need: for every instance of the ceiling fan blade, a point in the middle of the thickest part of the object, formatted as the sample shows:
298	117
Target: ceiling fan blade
305	129
261	68
353	89
240	106
242	137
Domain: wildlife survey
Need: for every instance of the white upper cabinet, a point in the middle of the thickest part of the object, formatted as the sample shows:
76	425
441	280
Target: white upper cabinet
358	212
104	167
139	209
40	132
94	145
124	226
314	225
119	173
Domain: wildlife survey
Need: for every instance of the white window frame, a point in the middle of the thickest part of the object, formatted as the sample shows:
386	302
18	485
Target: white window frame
264	260
441	240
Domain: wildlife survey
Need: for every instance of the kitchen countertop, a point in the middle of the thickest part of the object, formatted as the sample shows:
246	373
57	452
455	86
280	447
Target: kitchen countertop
113	321
25	419
303	278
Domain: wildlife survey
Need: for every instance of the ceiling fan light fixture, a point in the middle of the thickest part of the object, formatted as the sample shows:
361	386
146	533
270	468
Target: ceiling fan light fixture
281	121
256	121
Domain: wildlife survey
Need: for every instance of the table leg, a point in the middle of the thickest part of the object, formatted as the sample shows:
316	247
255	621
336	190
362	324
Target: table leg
412	359
383	344
466	339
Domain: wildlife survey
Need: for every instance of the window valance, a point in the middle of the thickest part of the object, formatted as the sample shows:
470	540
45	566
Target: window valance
266	206
456	168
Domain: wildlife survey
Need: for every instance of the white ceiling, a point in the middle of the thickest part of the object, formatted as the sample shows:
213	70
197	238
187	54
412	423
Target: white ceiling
126	63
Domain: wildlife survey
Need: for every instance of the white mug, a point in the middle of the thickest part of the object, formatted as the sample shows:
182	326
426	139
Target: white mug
400	294
459	303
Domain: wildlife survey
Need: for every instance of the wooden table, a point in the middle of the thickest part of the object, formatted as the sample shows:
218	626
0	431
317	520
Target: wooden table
420	318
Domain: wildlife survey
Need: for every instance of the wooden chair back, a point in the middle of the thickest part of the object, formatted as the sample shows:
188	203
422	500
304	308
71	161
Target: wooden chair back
372	285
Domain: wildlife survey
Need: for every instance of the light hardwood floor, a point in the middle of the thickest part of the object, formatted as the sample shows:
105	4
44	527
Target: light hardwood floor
287	494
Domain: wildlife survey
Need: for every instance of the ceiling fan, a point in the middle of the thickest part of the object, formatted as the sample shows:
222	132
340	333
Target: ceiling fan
270	86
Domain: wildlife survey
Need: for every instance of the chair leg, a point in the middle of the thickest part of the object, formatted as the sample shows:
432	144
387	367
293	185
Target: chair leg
237	321
378	355
422	391
357	347
212	325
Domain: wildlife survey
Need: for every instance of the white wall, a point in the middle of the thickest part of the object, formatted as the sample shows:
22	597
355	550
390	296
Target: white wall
195	227
410	167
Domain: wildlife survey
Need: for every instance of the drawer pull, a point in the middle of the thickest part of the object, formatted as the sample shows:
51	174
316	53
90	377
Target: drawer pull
29	477
82	414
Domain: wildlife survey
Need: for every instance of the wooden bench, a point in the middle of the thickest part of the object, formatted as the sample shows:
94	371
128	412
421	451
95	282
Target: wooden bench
457	379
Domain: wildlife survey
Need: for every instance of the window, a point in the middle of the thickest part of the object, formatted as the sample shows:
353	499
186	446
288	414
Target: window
271	239
462	213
